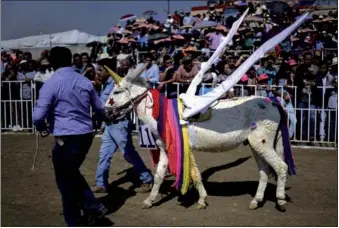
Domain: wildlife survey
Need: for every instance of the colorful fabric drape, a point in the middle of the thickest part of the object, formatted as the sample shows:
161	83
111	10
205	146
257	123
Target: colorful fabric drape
285	136
168	113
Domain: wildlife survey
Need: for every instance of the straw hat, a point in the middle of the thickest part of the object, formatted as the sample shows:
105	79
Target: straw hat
186	26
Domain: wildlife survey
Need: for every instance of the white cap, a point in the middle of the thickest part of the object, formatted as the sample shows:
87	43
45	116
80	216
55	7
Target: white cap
104	56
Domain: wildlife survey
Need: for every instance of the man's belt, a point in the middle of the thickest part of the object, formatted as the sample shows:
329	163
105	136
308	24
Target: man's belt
115	121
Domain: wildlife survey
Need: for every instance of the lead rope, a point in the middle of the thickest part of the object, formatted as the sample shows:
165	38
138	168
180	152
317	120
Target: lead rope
37	139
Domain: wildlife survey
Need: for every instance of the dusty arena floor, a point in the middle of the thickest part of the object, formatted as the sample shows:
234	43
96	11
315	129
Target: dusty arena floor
32	199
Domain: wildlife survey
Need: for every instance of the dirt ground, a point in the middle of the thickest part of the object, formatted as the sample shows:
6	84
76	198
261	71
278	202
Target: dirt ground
32	198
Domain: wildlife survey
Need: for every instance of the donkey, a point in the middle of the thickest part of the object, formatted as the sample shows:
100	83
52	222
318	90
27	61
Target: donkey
230	125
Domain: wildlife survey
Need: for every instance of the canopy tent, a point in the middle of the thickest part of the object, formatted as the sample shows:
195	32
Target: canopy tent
73	37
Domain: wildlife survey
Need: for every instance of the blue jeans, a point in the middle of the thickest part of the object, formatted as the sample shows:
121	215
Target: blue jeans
76	194
204	90
292	118
119	136
304	118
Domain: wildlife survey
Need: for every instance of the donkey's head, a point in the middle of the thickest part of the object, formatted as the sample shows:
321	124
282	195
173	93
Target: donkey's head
128	90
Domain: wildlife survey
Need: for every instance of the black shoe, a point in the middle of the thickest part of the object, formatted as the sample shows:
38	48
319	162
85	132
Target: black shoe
93	218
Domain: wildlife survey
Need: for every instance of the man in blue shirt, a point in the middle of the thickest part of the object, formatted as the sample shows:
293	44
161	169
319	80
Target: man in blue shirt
117	134
65	100
151	73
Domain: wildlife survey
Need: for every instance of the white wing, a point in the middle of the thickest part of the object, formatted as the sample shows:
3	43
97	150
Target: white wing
202	102
221	48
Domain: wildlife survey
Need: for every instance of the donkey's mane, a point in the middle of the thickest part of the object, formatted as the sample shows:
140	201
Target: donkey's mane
140	82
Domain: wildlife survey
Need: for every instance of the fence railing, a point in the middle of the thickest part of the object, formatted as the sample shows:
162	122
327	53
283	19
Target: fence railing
307	121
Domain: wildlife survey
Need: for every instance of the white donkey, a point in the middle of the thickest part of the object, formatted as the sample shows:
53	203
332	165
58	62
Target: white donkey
228	127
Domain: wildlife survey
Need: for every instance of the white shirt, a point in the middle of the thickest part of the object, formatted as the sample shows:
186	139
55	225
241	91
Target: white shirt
42	77
26	87
333	101
169	22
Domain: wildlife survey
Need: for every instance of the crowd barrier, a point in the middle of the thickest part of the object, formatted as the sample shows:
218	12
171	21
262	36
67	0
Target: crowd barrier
314	124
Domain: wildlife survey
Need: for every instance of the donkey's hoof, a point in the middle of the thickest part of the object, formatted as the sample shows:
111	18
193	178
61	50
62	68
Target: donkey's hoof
281	205
201	206
180	203
281	208
253	206
146	205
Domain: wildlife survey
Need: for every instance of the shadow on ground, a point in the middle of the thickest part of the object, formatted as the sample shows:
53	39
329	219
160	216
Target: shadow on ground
117	196
229	189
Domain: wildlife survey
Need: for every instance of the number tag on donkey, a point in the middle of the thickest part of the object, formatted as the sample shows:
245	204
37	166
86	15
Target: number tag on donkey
146	138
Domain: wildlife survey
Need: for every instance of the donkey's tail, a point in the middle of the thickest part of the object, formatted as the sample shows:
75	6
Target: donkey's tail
284	139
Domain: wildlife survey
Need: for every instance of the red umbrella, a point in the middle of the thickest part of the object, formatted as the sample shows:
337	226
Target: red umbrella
127	17
178	37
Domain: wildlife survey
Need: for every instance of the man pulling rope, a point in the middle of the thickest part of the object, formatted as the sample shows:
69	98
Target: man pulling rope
65	100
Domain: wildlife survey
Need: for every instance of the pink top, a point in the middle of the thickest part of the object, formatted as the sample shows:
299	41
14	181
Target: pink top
216	40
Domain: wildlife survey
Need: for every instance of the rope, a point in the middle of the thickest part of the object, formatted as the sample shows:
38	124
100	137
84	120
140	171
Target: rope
37	138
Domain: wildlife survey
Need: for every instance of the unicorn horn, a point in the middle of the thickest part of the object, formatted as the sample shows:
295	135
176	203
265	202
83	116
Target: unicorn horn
114	75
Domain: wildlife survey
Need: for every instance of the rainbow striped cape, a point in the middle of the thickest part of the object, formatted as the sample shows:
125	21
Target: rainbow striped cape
168	113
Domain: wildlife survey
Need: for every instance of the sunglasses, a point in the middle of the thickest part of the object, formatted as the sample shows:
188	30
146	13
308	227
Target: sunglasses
169	62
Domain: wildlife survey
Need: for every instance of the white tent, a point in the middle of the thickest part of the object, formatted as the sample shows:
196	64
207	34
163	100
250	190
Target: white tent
73	37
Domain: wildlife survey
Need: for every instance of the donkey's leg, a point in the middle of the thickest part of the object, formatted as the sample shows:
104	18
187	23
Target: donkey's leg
264	172
196	176
161	167
158	179
262	140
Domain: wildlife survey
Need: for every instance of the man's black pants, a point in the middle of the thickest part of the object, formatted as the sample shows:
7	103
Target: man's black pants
77	196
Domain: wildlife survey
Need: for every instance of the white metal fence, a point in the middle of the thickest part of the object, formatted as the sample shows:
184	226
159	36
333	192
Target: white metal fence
308	123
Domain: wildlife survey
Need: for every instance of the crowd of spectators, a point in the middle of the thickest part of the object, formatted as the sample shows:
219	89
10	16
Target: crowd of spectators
299	70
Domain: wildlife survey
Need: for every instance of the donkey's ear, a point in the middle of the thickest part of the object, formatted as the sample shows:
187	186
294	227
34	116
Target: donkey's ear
136	72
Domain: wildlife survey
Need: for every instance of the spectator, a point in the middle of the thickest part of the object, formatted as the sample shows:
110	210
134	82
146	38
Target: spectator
188	19
77	63
151	73
167	78
264	89
169	23
215	40
26	75
268	69
304	79
283	80
85	58
45	71
124	66
142	38
185	73
89	72
320	96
